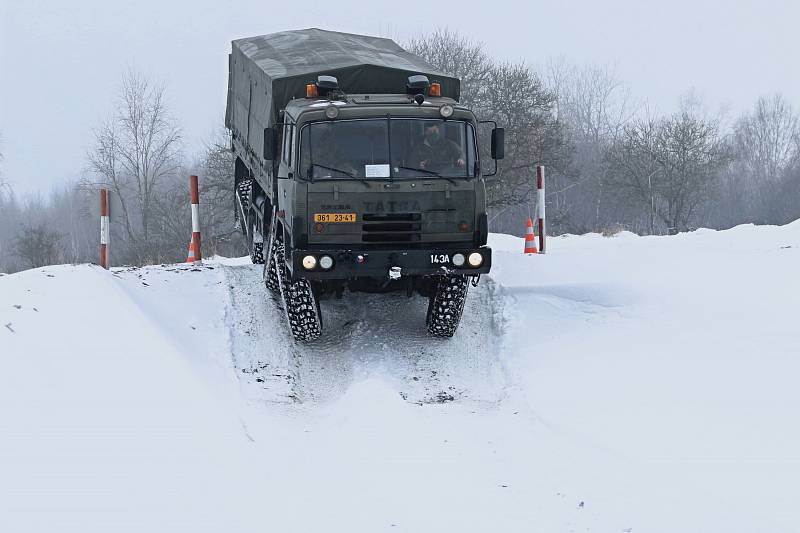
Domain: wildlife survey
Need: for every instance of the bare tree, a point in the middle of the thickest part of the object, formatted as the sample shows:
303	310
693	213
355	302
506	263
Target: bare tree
38	245
172	221
217	215
594	104
592	100
671	167
515	96
9	215
692	153
767	147
786	207
634	167
518	99
134	152
458	56
768	139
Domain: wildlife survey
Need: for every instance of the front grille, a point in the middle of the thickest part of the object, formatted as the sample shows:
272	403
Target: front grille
391	227
392	217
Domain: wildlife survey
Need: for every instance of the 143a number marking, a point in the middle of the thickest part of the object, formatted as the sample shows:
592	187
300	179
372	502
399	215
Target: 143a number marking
440	258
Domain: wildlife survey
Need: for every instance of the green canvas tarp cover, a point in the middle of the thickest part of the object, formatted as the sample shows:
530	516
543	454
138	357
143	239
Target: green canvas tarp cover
267	71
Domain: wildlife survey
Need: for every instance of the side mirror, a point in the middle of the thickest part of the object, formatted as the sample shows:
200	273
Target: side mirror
271	144
498	143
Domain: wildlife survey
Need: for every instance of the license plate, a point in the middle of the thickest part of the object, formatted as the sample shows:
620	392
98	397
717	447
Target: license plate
334	217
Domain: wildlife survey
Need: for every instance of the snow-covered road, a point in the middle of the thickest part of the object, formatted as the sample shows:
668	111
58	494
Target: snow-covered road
365	334
615	384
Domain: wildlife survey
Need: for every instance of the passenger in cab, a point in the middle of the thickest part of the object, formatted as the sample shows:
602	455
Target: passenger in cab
436	153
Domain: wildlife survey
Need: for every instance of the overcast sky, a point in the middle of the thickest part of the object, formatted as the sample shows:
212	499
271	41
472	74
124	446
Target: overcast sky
61	61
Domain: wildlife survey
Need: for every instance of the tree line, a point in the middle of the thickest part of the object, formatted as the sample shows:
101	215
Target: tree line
138	155
612	164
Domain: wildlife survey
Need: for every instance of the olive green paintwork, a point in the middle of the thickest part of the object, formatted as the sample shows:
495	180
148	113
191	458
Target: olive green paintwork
452	201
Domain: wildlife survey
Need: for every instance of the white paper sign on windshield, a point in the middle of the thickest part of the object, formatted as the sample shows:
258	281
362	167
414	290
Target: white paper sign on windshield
376	171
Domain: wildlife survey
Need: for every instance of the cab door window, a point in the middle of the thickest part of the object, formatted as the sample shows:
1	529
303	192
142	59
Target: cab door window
288	129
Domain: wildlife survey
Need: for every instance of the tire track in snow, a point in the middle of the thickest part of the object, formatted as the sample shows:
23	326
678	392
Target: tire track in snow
365	335
261	351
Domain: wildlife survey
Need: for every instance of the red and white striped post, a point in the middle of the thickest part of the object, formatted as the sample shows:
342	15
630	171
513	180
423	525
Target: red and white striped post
104	228
540	205
195	194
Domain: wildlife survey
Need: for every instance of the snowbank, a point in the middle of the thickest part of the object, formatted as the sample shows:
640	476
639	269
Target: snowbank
614	384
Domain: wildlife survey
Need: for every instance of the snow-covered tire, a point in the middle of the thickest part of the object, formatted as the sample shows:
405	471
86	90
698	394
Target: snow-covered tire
243	190
446	305
272	281
299	303
243	193
257	253
256	247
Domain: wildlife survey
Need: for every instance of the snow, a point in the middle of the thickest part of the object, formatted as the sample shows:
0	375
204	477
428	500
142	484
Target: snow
614	384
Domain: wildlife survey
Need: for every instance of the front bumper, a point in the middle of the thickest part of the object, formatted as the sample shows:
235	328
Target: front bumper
378	263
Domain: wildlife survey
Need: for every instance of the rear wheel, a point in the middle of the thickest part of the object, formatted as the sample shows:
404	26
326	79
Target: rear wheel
243	189
299	301
271	277
256	242
446	305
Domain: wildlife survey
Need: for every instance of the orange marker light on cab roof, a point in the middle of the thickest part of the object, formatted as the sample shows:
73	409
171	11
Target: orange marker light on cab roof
311	90
435	89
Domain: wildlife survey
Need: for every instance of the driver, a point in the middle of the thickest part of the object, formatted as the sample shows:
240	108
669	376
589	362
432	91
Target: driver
435	152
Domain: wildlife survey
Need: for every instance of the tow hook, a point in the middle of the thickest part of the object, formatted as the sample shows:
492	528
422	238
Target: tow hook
394	273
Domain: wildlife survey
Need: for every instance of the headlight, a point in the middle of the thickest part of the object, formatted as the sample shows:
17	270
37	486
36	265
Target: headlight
458	260
446	111
475	259
309	262
326	262
331	111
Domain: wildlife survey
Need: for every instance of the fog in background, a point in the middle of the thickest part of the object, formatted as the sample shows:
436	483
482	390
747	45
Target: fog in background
62	62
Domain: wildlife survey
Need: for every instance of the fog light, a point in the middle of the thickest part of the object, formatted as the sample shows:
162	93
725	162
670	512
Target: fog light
326	262
475	259
446	111
309	262
458	260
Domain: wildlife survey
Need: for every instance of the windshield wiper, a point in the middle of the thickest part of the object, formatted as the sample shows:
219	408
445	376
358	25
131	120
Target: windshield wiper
429	173
345	172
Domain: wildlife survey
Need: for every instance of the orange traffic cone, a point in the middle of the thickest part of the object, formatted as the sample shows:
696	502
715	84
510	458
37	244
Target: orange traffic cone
191	257
530	238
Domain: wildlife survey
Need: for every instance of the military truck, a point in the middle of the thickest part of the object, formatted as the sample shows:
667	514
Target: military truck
356	169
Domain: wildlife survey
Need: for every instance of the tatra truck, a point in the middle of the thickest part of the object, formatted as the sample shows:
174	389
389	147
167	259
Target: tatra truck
356	169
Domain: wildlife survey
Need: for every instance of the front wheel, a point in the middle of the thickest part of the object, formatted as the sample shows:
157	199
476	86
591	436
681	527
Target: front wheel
299	302
446	305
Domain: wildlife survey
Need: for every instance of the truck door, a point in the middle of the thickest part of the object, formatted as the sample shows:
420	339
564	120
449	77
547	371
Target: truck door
287	186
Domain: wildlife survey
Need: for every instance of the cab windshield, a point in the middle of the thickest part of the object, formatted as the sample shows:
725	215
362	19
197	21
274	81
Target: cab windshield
387	148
